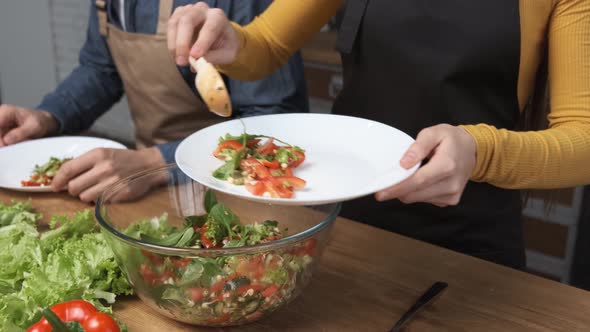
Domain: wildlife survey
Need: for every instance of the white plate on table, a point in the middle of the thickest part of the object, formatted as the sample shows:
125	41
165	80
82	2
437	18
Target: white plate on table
346	157
17	161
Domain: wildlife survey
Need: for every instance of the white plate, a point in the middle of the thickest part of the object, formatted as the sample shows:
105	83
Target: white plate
346	157
17	161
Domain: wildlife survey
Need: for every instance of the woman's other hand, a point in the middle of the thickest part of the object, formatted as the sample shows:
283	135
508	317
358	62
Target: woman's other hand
441	181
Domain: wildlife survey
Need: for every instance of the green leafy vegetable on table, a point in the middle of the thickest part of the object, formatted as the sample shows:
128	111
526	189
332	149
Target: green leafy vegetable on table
69	261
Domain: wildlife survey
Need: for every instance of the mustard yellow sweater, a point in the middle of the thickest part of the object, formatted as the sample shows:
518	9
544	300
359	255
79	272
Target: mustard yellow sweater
556	157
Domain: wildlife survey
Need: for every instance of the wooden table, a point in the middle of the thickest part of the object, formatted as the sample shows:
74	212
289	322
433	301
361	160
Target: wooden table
369	277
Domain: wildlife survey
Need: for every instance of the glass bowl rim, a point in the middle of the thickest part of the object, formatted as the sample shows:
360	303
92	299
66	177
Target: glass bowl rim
200	252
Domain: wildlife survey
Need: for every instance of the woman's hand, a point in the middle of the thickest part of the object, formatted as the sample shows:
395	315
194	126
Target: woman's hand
200	31
441	181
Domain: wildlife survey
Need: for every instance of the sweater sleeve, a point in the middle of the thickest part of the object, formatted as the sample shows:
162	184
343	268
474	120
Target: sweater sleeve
269	40
560	155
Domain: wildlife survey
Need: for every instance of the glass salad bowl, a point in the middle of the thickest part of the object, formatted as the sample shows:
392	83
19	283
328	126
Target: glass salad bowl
207	258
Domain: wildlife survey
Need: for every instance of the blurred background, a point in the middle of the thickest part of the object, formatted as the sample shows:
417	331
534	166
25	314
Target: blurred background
39	44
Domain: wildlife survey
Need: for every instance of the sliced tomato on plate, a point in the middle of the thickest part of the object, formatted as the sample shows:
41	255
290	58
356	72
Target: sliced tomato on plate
267	148
300	158
255	167
291	181
256	189
271	164
252	142
277	188
229	144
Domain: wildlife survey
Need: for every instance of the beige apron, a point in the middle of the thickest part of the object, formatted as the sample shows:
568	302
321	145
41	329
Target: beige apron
162	105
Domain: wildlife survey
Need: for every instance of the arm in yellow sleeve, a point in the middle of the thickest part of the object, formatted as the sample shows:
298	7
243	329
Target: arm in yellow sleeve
270	39
560	155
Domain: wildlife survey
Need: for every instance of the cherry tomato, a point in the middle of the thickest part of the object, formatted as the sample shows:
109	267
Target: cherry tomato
291	181
300	158
270	291
244	289
256	189
208	243
252	142
196	294
267	148
255	167
271	164
229	144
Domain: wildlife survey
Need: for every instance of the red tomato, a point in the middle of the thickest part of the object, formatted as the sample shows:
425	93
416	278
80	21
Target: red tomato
255	167
148	275
80	311
229	144
270	291
30	184
300	158
155	259
100	322
218	286
256	189
292	181
271	164
288	171
181	263
267	148
252	142
253	268
208	243
196	294
277	189
242	290
219	320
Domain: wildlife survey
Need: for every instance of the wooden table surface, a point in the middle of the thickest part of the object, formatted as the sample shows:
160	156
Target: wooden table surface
369	277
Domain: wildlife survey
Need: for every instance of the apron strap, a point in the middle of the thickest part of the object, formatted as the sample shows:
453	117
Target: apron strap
163	15
102	16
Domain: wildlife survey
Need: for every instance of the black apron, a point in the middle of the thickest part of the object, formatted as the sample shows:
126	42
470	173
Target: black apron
417	63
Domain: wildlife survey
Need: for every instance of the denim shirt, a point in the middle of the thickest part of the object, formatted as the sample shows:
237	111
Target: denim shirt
94	86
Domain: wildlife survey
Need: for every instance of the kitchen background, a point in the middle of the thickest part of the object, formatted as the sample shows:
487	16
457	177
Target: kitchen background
40	41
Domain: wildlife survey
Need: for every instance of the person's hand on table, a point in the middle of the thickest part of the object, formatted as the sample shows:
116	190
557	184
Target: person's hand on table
441	181
200	31
19	124
88	175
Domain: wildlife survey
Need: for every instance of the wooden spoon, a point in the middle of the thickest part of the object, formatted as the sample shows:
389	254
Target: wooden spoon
210	85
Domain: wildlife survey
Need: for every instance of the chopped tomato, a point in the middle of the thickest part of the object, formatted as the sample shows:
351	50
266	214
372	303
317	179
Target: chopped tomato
220	320
148	275
267	148
270	291
218	286
204	239
30	184
300	158
288	171
181	263
244	289
252	268
196	294
255	167
252	142
277	189
271	164
229	144
291	181
155	259
256	189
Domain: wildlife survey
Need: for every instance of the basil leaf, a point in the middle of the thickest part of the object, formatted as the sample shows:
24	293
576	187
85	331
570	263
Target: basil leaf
198	221
210	200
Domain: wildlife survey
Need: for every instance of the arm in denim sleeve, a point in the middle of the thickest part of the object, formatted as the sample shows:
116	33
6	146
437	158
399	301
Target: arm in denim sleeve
167	150
91	89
